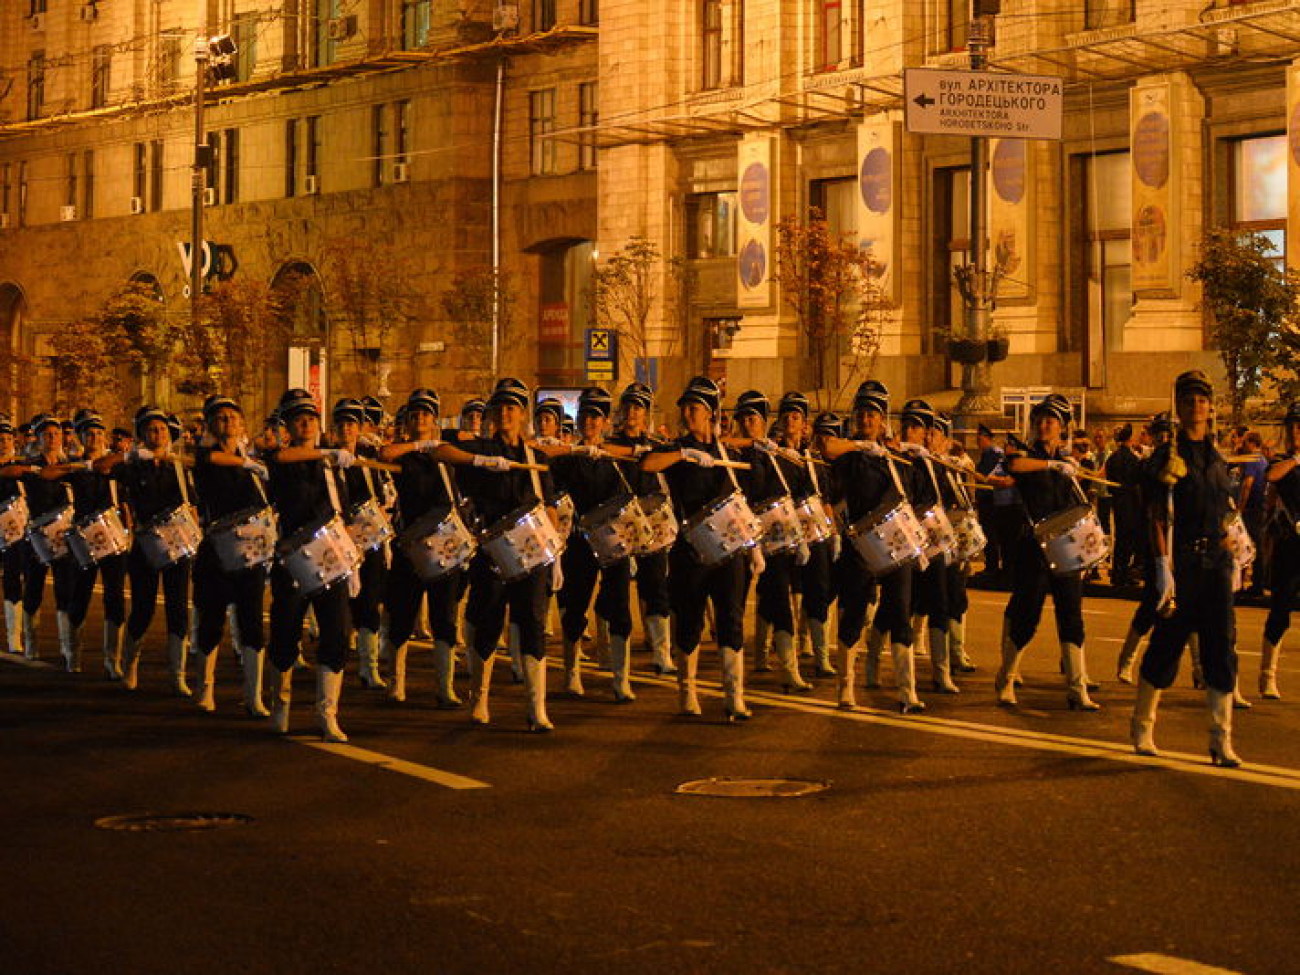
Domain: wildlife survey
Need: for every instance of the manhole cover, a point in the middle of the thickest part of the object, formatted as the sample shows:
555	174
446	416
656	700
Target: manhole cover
171	822
752	788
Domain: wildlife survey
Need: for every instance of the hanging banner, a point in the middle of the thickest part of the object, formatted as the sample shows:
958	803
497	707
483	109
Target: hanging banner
1293	162
754	223
877	197
1156	196
1010	203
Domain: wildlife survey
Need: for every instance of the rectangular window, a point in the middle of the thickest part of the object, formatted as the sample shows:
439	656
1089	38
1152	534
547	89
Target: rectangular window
711	48
829	24
951	247
311	143
35	7
415	23
140	171
36	85
230	166
6	190
323	50
88	184
544	15
858	57
836	201
169	60
1258	177
243	30
212	172
541	125
589	12
588	116
70	179
22	194
710	225
401	131
156	175
378	143
1098	14
291	158
101	62
953	28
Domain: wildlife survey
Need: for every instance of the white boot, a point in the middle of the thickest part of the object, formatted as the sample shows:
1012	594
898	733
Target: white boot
848	699
1005	681
762	637
444	677
905	676
688	701
1127	656
1221	750
733	684
821	651
572	671
14	626
660	637
328	685
783	648
130	662
31	650
958	659
1142	725
480	683
176	662
1268	670
283	699
871	660
368	660
69	642
1076	679
250	661
620	664
940	662
397	683
535	689
207	696
113	650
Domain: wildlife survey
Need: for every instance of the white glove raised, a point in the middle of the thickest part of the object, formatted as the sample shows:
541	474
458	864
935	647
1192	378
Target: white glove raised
1164	585
549	441
767	446
257	468
640	450
341	458
586	450
1067	467
698	457
915	449
427	446
498	465
141	453
872	448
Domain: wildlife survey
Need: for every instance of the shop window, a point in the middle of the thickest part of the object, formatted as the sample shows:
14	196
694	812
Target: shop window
711	225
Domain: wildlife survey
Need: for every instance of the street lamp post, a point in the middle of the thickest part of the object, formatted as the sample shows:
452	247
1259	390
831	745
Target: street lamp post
202	158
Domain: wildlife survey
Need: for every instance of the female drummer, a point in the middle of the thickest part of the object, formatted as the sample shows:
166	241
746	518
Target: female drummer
688	463
866	477
424	486
635	404
1188	503
306	492
1284	571
1045	477
12	562
954	494
350	417
229	482
500	476
92	493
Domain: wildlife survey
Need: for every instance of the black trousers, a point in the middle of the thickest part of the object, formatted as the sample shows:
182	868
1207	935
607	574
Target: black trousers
955	584
374	579
1144	617
527	600
112	574
652	584
215	589
815	581
289	608
14	564
34	581
175	581
774	590
581	572
1031	583
856	588
404	591
1284	576
930	595
692	585
1203	597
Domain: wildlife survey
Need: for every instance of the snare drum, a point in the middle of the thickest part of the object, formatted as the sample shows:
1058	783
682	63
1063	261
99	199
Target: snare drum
940	539
438	544
170	537
817	523
565	514
520	542
319	555
616	529
1237	540
661	523
245	539
368	525
889	538
48	534
971	539
1072	540
722	528
97	537
13	521
782	531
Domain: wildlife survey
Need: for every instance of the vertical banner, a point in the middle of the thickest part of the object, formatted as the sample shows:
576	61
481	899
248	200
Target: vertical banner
1293	163
1010	204
754	223
877	197
1156	197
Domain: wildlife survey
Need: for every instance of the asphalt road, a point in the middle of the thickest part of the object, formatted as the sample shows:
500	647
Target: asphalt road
971	839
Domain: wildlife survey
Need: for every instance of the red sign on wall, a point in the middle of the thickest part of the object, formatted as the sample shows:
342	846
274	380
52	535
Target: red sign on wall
553	329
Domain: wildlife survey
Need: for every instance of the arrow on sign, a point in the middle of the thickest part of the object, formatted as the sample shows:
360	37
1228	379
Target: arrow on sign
924	100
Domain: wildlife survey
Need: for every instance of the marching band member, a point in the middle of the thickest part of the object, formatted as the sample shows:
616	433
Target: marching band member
817	581
471	417
591	477
1045	478
953	494
13	561
548	421
865	478
1284	568
306	491
695	480
423	486
229	482
1188	504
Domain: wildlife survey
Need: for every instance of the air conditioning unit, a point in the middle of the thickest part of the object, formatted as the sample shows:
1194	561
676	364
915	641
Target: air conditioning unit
67	213
209	196
311	184
89	13
36	21
505	16
341	28
4	221
401	172
137	204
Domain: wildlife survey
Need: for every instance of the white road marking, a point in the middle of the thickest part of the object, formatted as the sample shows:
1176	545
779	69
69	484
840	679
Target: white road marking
424	772
1168	965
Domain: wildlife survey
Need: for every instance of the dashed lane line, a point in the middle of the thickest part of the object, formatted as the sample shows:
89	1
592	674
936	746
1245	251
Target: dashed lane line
425	773
1168	965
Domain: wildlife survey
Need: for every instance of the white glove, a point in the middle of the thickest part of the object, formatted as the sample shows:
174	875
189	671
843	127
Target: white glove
586	450
141	453
557	576
257	468
640	450
836	544
756	560
915	449
341	458
498	465
83	465
427	446
1164	584
699	457
766	445
872	448
549	441
802	554
1067	467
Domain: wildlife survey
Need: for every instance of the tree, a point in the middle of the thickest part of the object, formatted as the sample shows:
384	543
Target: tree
86	360
623	292
468	303
1252	304
137	326
833	287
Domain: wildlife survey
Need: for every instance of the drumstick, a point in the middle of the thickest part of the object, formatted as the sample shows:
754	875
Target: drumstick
516	466
735	465
1243	458
377	465
1095	478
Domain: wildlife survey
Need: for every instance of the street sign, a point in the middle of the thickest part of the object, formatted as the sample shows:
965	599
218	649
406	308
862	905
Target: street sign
983	103
601	355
